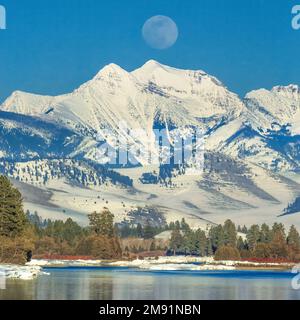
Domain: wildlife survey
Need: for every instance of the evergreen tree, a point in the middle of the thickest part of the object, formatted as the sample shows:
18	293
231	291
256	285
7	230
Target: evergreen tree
71	230
95	222
293	239
278	245
176	240
177	225
172	226
244	230
139	231
241	244
262	251
265	234
230	234
188	242
184	226
278	228
209	249
13	220
102	223
216	234
202	250
148	232
253	236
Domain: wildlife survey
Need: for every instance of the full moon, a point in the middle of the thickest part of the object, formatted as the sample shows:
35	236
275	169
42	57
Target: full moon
160	32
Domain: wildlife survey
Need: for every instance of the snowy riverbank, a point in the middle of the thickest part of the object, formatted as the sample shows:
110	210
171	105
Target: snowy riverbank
146	264
63	263
163	263
20	272
174	263
191	263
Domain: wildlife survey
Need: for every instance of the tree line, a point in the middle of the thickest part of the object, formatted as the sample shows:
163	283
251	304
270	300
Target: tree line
22	234
228	242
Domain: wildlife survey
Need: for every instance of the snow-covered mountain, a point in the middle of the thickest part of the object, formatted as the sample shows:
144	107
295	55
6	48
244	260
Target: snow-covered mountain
277	108
258	136
116	95
152	96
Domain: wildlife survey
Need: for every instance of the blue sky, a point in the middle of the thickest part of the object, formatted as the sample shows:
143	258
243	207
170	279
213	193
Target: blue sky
53	46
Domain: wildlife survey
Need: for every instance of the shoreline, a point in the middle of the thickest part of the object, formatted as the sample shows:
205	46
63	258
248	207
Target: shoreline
164	263
36	267
11	271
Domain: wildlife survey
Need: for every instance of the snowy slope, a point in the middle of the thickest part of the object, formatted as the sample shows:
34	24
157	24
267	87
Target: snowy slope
167	98
256	140
276	108
262	128
202	95
26	137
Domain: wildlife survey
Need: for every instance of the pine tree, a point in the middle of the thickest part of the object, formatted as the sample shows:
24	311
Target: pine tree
107	223
265	234
13	220
172	226
278	228
216	234
71	230
176	240
209	249
190	242
293	239
202	243
262	251
177	225
148	231
139	230
244	230
278	245
240	244
184	226
253	236
95	222
230	234
102	223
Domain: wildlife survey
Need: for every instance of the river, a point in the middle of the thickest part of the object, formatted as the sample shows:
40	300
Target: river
95	283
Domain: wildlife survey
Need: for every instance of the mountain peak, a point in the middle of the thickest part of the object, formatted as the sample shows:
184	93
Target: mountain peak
153	63
292	88
110	69
150	67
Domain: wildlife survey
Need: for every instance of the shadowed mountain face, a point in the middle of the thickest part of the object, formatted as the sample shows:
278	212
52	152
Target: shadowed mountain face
262	128
250	144
26	138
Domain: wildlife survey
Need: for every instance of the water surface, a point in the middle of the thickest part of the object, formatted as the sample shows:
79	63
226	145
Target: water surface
74	283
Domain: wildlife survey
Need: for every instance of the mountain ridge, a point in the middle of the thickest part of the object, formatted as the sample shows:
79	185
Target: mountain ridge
163	96
252	145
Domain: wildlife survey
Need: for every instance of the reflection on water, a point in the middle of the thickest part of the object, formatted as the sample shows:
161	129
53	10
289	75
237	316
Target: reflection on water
123	283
